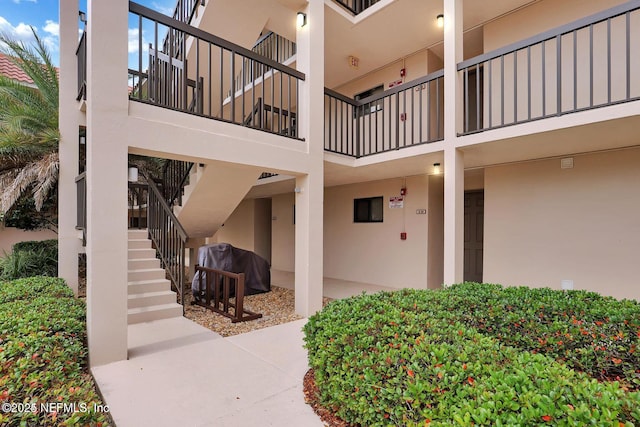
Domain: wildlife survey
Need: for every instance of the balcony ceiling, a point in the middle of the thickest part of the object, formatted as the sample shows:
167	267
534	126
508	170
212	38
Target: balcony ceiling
394	32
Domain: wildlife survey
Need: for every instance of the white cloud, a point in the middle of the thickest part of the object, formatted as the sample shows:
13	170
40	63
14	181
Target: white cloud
22	32
133	44
20	1
52	28
164	9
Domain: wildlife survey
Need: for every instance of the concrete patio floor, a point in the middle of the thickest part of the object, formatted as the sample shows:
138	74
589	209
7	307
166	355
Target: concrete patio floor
182	374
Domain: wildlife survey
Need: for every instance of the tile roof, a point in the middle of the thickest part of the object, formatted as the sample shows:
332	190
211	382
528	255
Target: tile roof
10	69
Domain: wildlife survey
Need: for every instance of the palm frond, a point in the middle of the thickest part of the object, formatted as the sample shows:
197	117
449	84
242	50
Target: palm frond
29	135
47	177
37	64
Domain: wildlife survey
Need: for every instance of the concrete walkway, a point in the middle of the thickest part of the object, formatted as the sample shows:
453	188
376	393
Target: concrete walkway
182	374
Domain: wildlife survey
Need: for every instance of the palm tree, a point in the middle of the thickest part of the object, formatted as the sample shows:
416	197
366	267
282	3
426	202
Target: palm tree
29	135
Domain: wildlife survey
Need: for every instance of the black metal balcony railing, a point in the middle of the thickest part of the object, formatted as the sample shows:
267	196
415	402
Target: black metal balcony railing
272	46
81	54
201	86
579	66
185	9
407	115
356	6
275	47
81	216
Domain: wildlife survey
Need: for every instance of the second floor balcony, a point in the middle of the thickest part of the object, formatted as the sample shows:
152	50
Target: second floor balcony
583	65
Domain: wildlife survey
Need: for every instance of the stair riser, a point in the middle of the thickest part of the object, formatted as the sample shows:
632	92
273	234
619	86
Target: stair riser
142	254
139	244
138	234
151	300
155	274
157	286
150	316
143	264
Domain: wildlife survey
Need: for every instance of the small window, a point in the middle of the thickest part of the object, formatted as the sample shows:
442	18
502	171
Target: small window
367	210
370	107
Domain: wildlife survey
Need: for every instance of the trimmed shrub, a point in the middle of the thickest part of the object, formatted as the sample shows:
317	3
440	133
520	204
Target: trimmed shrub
415	358
43	354
30	258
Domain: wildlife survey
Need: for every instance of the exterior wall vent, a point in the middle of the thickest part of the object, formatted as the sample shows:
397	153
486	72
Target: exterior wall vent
566	163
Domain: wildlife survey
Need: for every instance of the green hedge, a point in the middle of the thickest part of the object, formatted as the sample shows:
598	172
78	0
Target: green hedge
30	258
43	354
437	358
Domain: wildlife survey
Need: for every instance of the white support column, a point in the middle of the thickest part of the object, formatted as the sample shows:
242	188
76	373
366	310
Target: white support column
309	198
453	158
107	105
453	216
453	54
70	119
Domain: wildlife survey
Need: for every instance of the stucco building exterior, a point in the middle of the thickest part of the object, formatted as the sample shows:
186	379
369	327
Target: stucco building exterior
501	147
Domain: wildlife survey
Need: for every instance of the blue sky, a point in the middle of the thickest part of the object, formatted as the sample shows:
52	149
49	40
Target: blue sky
17	15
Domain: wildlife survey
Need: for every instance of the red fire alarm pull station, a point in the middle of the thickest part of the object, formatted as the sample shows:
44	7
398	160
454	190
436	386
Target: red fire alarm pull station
403	236
403	191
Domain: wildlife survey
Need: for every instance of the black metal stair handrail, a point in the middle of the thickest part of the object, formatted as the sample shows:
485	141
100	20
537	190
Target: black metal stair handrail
174	178
169	238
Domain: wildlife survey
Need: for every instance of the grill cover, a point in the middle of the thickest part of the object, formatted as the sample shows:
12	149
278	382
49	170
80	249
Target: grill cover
223	256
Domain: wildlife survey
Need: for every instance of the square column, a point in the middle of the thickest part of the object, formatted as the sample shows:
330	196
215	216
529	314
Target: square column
453	158
453	54
107	110
70	118
310	187
453	216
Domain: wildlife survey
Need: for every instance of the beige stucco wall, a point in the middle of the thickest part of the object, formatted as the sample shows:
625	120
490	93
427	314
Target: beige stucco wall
238	229
262	228
9	236
544	224
283	232
374	252
539	17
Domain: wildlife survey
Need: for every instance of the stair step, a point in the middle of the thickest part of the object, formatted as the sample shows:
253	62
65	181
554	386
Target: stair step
155	312
146	274
138	234
139	243
145	286
143	263
141	253
148	299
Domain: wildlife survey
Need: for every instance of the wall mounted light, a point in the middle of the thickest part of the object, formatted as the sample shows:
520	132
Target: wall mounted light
440	20
133	174
436	168
301	19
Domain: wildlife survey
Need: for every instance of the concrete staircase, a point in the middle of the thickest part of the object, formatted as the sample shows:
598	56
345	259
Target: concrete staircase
150	295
